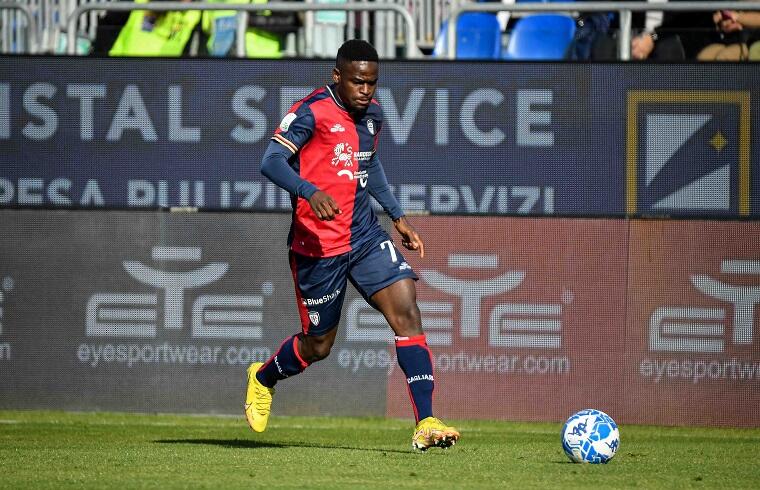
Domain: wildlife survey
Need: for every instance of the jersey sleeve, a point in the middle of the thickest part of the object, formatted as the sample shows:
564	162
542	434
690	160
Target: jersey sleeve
296	128
274	166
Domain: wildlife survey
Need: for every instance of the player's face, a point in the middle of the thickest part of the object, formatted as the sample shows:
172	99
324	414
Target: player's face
356	83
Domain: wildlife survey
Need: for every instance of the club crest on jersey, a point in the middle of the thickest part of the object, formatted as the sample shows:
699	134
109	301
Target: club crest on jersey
285	123
314	317
371	126
344	155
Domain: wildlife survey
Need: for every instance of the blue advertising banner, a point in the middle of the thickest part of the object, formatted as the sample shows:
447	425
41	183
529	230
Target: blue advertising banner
459	138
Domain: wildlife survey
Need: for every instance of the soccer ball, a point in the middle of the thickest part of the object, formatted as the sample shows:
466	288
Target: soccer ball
590	436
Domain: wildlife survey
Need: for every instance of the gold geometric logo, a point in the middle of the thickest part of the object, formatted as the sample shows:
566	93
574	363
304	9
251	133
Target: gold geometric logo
718	141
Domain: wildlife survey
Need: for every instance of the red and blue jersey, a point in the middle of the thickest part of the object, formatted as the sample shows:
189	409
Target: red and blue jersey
319	145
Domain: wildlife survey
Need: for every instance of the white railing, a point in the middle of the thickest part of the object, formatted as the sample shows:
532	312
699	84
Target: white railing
49	17
411	36
624	9
36	25
31	26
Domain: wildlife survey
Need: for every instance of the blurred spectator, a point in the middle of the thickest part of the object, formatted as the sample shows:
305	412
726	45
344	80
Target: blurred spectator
595	36
673	36
264	36
738	30
593	40
109	27
155	33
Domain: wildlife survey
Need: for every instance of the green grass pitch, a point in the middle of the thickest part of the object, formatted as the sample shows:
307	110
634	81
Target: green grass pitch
109	450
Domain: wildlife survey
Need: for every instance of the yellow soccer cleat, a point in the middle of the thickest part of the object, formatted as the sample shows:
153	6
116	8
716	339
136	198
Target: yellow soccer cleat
258	400
431	432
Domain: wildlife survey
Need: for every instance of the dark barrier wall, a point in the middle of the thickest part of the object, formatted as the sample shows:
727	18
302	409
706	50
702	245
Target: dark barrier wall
462	138
653	320
529	319
150	311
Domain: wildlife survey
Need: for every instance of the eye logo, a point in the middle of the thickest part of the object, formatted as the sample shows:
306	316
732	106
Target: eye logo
344	154
137	314
5	347
507	324
6	286
699	329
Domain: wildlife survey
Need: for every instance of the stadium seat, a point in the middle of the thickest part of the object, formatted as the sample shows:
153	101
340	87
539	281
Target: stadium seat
478	37
540	37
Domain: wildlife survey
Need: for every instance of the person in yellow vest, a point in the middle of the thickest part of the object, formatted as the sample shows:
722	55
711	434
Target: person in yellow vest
155	33
263	37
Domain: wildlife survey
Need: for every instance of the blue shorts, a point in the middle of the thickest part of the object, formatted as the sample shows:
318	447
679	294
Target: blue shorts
321	282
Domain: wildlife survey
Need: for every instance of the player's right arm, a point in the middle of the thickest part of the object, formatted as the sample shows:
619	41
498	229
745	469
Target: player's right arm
276	168
294	131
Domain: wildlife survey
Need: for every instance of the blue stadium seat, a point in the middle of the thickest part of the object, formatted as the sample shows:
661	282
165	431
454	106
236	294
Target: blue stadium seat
540	37
478	37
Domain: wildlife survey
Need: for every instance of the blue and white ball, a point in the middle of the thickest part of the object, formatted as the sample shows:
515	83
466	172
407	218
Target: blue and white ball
590	436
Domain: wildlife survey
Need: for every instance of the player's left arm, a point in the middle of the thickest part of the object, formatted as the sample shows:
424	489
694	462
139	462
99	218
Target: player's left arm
377	185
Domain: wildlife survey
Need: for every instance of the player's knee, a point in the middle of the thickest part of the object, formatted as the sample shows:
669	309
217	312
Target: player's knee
321	351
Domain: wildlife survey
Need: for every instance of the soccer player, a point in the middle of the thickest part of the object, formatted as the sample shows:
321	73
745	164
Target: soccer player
324	154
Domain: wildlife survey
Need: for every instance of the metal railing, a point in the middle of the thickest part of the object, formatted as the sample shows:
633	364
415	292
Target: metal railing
624	9
411	36
31	31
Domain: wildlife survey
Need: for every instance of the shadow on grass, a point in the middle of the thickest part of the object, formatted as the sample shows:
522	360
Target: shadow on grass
251	444
227	443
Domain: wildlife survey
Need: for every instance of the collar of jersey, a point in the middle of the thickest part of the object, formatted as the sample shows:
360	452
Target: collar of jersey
333	93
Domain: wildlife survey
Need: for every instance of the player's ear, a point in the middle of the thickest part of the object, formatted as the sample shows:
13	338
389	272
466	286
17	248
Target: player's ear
336	75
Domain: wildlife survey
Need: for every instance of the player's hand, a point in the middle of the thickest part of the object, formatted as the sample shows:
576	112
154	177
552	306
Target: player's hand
642	46
409	237
728	21
324	206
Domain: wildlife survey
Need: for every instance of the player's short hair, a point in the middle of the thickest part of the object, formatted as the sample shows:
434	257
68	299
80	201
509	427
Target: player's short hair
355	50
